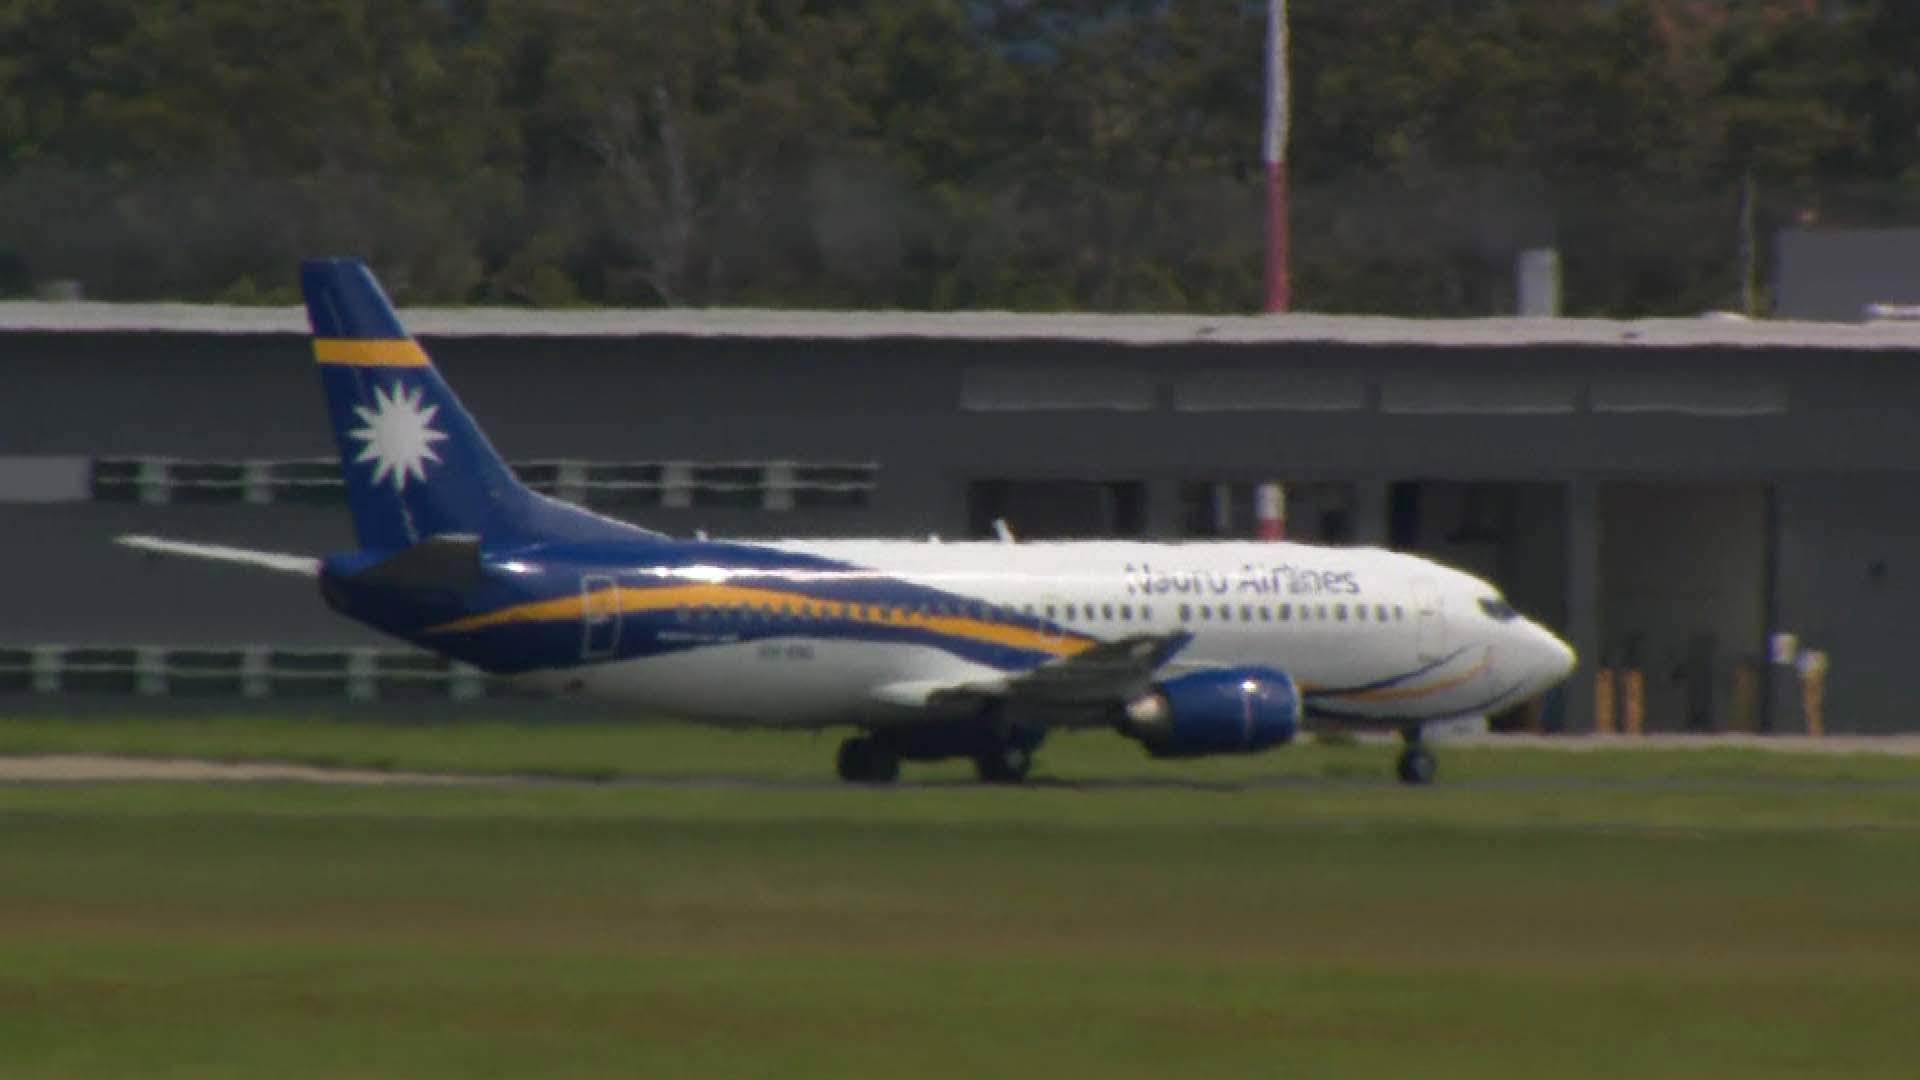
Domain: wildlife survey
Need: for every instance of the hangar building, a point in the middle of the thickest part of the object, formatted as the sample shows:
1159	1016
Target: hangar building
1674	496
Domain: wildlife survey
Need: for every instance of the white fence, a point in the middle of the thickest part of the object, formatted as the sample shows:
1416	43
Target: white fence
257	674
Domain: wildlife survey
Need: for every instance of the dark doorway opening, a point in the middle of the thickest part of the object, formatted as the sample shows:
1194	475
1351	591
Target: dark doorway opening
1059	509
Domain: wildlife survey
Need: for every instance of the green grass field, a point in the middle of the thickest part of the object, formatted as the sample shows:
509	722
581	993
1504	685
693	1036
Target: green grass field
1646	914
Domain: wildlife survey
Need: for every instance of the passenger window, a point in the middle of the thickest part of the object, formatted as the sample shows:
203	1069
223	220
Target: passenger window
1380	613
1106	612
1320	612
1246	612
1126	612
1226	612
1340	612
1360	612
1286	612
1052	612
1206	613
1186	613
1146	613
1266	613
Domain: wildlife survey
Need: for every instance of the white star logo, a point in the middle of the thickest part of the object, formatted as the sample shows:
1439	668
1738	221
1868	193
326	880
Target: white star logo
399	437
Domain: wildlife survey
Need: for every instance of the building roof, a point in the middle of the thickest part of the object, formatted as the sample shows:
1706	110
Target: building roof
1722	330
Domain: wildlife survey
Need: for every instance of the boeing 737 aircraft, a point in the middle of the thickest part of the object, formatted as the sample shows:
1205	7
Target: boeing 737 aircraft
929	650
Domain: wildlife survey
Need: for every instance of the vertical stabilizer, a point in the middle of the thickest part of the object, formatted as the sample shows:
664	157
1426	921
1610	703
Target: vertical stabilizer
415	463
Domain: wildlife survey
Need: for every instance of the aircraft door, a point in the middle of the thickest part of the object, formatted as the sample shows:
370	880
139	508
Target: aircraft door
599	616
1429	620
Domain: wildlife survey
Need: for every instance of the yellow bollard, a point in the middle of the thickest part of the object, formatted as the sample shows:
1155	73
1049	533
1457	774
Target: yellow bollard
1603	701
1813	690
1633	707
1746	698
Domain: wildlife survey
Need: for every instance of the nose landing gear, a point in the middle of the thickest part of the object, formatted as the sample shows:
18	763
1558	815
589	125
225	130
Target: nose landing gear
1416	765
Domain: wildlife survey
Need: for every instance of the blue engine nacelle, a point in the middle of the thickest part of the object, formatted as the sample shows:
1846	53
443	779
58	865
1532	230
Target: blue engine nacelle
1228	711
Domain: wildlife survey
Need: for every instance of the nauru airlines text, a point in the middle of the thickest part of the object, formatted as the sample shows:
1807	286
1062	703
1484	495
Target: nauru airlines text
1280	580
928	650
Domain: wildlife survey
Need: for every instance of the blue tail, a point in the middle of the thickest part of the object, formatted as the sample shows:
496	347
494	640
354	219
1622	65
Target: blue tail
415	463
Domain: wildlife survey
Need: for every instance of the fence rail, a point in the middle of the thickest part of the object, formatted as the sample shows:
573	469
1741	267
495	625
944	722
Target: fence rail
765	485
257	673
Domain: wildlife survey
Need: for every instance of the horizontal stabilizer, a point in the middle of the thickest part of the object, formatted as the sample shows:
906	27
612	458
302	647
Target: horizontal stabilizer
304	565
448	561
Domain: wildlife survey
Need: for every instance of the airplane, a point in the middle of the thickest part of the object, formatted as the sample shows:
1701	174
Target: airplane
929	650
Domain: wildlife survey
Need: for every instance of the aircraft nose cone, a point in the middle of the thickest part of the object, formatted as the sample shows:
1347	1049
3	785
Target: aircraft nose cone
1554	660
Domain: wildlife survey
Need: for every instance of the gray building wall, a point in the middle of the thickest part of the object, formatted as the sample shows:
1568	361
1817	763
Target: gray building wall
1825	429
1833	274
1848	583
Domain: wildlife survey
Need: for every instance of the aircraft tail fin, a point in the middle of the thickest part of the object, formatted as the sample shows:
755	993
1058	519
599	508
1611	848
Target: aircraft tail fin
416	464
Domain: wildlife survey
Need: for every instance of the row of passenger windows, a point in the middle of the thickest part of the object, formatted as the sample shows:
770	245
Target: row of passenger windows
1288	612
1246	613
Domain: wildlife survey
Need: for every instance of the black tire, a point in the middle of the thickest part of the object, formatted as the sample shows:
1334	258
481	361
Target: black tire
863	761
1003	763
1416	765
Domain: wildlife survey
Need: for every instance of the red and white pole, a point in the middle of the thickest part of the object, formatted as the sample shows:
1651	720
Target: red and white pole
1270	510
1274	156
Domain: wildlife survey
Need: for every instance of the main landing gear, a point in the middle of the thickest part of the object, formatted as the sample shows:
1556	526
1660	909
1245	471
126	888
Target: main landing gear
1416	765
1000	754
1003	763
863	761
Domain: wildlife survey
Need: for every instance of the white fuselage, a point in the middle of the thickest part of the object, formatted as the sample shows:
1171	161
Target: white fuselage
1370	636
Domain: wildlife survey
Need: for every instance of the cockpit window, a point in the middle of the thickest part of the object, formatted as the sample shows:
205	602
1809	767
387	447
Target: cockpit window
1497	609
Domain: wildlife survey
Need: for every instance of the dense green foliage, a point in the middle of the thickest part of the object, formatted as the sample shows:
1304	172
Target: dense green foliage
1026	154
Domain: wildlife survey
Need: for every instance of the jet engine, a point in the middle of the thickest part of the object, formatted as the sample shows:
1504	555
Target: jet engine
1223	711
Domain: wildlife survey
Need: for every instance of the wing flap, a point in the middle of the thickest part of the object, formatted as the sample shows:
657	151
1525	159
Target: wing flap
1110	672
1107	674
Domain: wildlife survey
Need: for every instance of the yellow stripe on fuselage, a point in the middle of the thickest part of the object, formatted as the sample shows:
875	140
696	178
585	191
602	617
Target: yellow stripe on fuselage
620	601
381	352
1408	693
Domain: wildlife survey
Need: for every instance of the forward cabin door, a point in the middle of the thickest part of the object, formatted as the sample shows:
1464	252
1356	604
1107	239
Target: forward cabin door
1429	620
599	616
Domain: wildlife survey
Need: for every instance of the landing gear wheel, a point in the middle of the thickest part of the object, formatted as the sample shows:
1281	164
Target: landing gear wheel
1416	765
1003	763
863	761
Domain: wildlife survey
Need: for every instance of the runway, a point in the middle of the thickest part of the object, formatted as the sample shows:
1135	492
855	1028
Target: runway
110	768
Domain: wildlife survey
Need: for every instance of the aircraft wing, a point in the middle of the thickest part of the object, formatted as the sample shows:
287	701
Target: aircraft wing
304	565
1110	673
